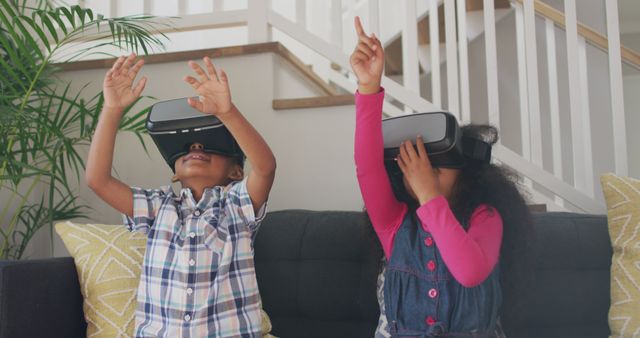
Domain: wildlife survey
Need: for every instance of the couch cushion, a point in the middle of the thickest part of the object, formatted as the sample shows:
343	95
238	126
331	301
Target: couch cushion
569	295
40	298
108	260
317	273
623	209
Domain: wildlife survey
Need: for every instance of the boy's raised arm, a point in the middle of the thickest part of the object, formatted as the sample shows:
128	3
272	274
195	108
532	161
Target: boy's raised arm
215	99
118	94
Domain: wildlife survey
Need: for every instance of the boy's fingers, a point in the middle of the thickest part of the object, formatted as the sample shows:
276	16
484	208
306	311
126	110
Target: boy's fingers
127	62
211	68
136	68
223	77
195	104
117	64
140	87
195	84
196	67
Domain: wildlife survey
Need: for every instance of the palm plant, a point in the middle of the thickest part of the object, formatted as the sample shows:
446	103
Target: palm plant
43	123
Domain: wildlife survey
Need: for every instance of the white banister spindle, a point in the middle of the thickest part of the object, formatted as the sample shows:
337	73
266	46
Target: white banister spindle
465	105
301	13
522	84
410	68
585	113
113	8
374	17
258	28
533	94
147	7
617	92
580	177
452	57
218	5
554	105
182	7
434	41
493	99
336	22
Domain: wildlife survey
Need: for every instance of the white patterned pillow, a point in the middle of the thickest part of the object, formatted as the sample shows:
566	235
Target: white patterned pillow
623	212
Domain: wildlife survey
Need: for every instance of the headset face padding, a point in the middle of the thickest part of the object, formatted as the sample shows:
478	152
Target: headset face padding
174	126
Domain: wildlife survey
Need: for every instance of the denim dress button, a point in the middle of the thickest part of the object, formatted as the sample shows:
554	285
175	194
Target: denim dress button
433	293
428	241
430	321
431	265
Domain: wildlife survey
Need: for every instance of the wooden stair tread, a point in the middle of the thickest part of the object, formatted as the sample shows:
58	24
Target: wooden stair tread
537	207
314	102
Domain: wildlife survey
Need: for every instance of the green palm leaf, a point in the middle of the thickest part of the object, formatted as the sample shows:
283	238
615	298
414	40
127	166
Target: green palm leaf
43	121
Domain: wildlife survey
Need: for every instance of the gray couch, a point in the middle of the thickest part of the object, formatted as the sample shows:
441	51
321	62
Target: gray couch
317	276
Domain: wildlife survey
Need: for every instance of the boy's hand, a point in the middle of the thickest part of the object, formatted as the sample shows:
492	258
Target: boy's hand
418	171
367	61
213	89
118	83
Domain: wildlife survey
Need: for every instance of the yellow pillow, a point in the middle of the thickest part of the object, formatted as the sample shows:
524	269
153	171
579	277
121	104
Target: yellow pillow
622	195
108	259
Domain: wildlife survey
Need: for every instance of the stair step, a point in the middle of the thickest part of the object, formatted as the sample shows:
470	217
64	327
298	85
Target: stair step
314	102
537	207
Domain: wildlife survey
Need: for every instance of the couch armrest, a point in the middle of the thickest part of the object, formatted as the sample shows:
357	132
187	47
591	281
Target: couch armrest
40	298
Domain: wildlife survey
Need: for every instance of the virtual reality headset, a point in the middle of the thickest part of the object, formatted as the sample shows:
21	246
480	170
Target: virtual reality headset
174	126
442	137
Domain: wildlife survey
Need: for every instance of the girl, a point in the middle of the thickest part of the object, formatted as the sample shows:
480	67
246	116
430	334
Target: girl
441	229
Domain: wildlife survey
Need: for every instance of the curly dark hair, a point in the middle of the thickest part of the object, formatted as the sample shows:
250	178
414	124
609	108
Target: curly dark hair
497	186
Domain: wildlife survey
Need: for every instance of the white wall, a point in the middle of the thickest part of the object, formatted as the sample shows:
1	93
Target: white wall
632	107
313	147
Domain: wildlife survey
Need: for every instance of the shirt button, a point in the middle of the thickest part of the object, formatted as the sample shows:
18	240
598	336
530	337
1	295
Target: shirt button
192	234
433	293
187	317
431	265
189	291
430	321
428	241
197	212
192	262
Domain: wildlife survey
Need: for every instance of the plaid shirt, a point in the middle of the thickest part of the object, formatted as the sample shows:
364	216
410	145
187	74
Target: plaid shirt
198	277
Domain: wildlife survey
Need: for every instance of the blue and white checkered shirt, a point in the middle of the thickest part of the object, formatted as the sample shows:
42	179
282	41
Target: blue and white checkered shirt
198	277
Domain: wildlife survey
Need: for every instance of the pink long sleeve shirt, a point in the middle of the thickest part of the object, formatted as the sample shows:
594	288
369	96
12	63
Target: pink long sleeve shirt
469	255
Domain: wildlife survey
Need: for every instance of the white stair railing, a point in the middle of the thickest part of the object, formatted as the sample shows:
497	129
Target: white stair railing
544	168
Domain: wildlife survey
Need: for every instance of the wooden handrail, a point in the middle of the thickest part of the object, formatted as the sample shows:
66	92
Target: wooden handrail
629	56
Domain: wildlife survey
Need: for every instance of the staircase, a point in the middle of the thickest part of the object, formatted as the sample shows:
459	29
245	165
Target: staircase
521	65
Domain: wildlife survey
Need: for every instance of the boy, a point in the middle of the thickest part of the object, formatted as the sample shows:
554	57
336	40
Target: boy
198	277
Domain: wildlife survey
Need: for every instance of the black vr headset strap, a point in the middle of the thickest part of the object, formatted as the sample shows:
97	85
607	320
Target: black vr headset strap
476	149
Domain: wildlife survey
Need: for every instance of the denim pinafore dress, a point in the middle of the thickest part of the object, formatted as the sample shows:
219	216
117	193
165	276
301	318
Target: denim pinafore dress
421	297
